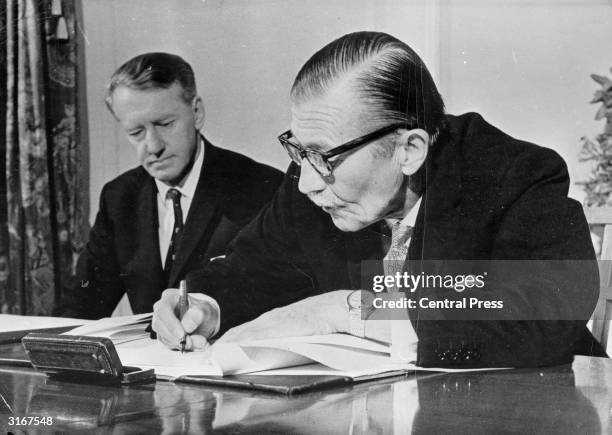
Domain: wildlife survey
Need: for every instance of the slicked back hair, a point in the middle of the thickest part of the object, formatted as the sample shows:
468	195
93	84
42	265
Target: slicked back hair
153	71
390	77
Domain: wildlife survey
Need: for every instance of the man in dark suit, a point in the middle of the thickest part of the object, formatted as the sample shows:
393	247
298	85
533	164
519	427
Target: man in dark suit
176	211
409	182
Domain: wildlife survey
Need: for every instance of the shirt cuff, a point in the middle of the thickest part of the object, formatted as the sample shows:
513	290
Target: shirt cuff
205	298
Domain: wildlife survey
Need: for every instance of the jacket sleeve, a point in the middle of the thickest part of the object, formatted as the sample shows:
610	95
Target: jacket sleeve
97	288
545	312
263	268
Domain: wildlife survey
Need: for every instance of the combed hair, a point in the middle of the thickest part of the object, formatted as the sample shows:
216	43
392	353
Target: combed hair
389	75
153	70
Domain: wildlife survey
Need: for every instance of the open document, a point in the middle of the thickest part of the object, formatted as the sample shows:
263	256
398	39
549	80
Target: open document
120	329
317	355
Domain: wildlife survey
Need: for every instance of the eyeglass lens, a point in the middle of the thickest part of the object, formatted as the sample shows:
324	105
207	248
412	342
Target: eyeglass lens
314	158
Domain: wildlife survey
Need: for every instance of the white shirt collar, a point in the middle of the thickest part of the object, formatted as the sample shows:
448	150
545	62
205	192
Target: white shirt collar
410	218
191	182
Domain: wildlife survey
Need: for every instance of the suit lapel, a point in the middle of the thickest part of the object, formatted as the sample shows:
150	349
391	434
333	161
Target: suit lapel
436	221
436	226
203	210
147	253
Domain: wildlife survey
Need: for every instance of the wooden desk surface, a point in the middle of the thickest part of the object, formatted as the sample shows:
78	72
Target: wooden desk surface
566	399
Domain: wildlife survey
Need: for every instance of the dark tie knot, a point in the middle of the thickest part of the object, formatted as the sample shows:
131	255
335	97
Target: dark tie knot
174	195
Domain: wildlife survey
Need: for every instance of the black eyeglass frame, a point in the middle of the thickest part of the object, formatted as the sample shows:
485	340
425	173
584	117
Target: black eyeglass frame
340	149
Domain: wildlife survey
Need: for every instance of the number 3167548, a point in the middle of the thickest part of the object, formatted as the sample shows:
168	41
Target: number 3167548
30	421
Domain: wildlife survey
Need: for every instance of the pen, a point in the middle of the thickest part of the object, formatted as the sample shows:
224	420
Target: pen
183	307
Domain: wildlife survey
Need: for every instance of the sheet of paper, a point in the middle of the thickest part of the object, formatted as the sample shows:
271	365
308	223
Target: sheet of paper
344	340
119	329
10	322
168	363
238	359
336	357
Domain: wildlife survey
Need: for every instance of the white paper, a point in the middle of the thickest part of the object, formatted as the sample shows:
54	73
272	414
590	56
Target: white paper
345	340
11	322
149	353
109	325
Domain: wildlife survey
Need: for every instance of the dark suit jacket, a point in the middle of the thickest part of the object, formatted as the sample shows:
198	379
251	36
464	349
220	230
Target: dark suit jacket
122	254
487	196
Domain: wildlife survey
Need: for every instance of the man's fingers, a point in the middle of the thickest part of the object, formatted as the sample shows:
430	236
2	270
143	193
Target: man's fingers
168	343
168	337
192	319
192	342
171	295
165	323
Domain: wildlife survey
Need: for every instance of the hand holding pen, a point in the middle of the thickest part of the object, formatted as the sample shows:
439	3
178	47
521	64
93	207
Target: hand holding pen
183	321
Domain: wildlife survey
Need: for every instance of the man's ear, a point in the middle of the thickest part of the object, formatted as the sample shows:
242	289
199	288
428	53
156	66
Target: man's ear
198	112
412	150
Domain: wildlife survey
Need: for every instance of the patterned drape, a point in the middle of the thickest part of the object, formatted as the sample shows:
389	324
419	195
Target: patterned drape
42	178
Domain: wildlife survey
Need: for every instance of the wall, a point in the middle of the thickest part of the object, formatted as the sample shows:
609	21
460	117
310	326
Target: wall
525	65
245	54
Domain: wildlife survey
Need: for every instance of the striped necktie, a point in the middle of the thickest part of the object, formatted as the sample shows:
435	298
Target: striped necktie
398	251
175	196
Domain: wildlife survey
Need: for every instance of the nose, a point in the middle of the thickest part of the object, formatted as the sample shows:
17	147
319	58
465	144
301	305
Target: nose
310	180
155	144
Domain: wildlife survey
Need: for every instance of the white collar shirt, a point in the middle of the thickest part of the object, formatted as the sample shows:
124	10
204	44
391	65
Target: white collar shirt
409	220
165	212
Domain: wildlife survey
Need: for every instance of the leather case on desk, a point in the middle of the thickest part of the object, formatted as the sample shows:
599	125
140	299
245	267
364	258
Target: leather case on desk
289	384
81	358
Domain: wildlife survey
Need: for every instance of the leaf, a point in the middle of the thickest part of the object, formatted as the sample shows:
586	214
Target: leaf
601	113
599	79
599	95
598	151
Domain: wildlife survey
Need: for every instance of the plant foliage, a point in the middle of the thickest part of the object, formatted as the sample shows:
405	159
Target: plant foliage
599	150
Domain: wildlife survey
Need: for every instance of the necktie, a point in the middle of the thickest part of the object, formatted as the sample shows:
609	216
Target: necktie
401	350
175	196
398	251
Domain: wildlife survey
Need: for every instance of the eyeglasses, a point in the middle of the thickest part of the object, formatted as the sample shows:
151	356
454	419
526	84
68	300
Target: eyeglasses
320	160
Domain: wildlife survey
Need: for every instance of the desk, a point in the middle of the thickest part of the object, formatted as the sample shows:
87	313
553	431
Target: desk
565	399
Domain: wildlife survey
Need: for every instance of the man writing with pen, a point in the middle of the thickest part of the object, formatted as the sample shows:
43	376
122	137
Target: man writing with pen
182	205
381	172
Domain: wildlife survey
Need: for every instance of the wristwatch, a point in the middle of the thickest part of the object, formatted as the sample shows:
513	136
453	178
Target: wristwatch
360	306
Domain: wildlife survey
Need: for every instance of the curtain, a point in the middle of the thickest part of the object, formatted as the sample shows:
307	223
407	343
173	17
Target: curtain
42	179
